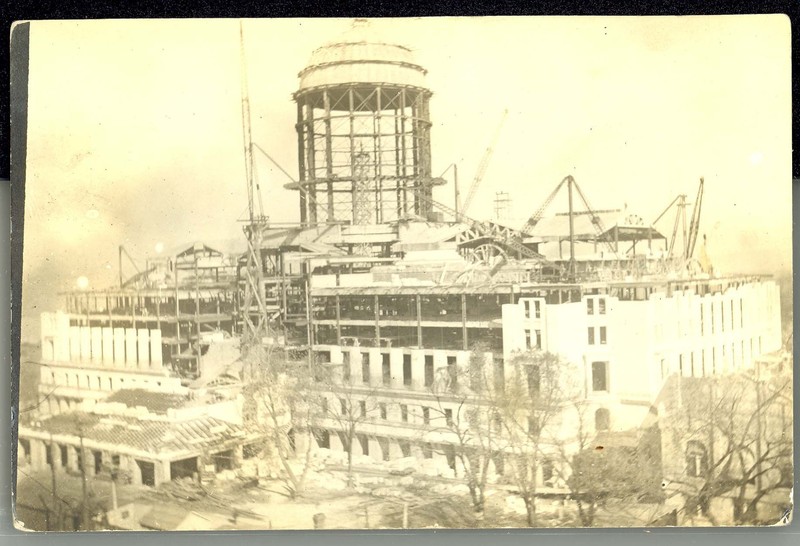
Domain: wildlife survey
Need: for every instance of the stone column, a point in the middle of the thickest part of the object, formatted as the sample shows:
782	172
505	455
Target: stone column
375	451
133	468
163	472
130	348
396	368
143	348
156	356
96	334
55	455
72	458
355	367
417	370
108	347
375	367
38	454
394	450
86	343
336	442
119	347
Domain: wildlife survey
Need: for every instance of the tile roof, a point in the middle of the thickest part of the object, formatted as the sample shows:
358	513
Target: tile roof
155	402
156	437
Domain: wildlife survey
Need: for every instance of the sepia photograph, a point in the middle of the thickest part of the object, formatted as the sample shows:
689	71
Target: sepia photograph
406	273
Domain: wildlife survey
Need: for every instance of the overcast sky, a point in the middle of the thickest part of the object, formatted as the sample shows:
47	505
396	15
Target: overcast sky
135	135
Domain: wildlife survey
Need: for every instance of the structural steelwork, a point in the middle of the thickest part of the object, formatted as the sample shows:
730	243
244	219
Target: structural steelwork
363	133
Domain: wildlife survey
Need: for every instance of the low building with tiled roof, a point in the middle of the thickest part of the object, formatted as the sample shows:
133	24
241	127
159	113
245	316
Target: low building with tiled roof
150	448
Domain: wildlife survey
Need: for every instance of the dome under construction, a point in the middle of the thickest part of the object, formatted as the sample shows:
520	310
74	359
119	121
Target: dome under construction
363	128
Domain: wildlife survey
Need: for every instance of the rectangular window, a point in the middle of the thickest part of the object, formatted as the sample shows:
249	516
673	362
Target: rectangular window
426	416
427	451
527	307
404	413
537	308
590	306
600	376
387	369
407	370
452	371
448	415
591	335
324	405
363	406
365	368
538	338
601	306
343	406
602	335
428	370
533	426
383	411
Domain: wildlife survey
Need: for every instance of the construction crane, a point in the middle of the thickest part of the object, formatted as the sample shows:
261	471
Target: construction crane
694	225
482	166
597	222
690	231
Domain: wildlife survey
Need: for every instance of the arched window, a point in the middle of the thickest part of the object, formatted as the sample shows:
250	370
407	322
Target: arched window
696	459
602	419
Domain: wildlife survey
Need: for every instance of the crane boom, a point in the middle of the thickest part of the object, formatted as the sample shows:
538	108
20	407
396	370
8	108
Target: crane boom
536	216
247	137
483	165
694	225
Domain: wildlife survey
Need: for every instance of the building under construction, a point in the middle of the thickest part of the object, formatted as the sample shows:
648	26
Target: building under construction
383	282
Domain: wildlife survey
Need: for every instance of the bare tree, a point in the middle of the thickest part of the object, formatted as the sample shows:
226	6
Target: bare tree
528	409
344	403
280	403
735	436
461	408
595	468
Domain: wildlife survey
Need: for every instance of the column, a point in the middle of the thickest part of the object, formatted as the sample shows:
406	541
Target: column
156	356
130	348
133	468
96	334
163	472
55	455
86	343
108	346
439	364
119	347
143	347
417	370
375	367
394	450
38	454
375	451
75	342
336	442
355	367
72	458
396	367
